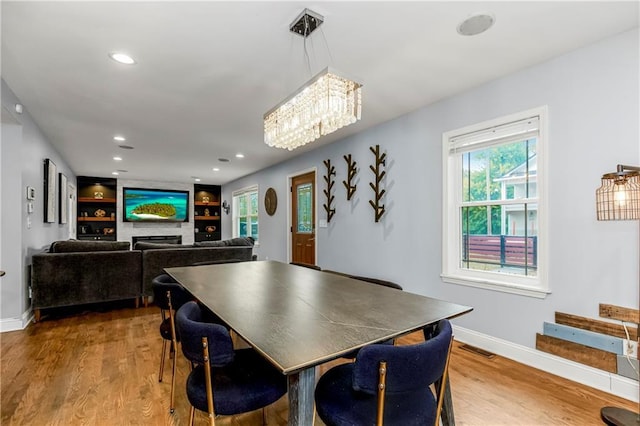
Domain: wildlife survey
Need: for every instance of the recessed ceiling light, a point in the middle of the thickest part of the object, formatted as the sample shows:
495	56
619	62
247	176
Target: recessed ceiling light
215	169
197	179
117	158
119	138
115	173
122	58
223	160
476	24
239	155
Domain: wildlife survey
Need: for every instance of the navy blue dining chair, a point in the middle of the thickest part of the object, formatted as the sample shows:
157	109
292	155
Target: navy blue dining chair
169	296
387	385
224	381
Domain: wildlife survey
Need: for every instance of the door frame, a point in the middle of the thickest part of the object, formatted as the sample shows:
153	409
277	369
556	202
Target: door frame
290	204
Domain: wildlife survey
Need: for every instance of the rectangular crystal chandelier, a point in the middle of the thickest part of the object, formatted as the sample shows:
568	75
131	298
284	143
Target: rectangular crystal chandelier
321	106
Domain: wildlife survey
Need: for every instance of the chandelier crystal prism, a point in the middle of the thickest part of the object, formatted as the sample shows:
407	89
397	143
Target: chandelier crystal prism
323	105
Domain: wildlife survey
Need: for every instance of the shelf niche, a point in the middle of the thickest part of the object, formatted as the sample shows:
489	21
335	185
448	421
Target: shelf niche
206	213
97	208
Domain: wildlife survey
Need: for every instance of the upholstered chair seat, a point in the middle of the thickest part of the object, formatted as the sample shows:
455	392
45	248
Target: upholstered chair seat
349	394
224	381
245	384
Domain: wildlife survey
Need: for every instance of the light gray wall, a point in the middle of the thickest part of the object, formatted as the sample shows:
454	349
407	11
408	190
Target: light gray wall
23	153
592	96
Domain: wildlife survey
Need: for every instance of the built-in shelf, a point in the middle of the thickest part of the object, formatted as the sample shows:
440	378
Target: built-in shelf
96	200
96	195
206	207
207	217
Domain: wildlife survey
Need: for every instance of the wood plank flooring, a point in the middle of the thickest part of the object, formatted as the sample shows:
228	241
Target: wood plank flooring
101	368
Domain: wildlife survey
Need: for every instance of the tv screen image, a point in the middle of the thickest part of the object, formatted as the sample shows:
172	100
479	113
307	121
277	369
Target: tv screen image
155	205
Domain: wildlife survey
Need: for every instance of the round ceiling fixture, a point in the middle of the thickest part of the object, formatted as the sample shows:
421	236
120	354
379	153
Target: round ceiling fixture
122	58
476	24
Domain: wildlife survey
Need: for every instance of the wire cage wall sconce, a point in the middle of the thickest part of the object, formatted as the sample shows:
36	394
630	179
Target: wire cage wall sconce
618	198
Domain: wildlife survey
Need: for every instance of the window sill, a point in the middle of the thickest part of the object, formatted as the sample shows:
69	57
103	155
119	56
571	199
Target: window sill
496	286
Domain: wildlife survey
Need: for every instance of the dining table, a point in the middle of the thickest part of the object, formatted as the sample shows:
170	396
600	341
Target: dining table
299	318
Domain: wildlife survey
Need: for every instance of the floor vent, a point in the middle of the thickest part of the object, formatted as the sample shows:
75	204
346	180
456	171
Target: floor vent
477	351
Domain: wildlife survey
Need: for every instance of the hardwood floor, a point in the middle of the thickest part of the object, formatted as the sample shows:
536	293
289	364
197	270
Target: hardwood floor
101	368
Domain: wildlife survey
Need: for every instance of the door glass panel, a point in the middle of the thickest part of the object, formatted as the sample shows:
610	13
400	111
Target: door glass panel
305	216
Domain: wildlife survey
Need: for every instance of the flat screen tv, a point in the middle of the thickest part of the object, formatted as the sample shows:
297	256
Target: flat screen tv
155	205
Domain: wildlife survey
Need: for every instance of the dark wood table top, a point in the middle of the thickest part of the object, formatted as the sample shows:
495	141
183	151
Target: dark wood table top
298	317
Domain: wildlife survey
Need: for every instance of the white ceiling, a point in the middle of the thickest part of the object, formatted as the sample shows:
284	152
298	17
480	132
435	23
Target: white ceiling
207	71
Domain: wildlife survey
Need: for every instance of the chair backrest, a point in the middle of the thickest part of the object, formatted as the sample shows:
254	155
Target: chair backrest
191	330
409	367
377	281
217	262
306	265
163	283
367	279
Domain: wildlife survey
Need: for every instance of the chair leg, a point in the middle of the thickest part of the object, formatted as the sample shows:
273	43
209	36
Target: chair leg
208	382
174	347
164	349
443	384
192	415
173	385
382	383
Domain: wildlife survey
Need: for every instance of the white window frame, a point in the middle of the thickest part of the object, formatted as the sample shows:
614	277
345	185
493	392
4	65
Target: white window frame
534	286
236	208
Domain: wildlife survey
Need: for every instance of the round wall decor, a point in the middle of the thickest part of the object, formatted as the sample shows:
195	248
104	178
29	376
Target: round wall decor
270	201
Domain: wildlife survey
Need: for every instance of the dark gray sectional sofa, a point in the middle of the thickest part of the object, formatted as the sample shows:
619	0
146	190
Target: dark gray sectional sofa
156	257
79	272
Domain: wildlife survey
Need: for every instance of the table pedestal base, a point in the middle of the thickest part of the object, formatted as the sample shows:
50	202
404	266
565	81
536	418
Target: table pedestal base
301	402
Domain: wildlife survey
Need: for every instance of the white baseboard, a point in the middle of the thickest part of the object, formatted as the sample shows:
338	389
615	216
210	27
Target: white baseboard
13	324
608	382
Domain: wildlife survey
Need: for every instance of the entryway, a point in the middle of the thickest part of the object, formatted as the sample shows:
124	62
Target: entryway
303	218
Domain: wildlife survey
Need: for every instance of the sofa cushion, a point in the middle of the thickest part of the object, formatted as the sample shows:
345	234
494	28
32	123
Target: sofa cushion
74	246
145	245
209	244
233	242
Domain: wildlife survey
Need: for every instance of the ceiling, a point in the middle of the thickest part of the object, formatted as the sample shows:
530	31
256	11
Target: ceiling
206	72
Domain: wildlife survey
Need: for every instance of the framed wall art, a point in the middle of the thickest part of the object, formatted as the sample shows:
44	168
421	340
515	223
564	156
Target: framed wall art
63	201
50	187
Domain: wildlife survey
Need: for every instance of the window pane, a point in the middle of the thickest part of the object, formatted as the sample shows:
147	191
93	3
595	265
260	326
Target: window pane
486	248
242	205
254	203
500	173
254	227
242	227
305	215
